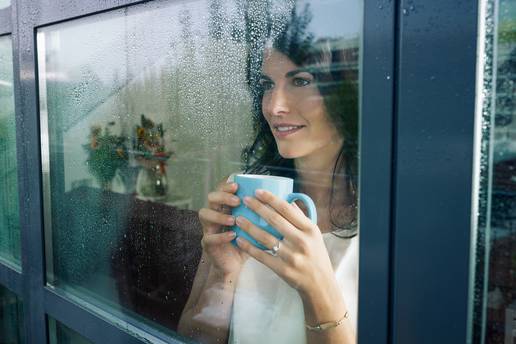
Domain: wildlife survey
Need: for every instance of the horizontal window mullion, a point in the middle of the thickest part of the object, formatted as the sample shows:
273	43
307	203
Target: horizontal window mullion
11	279
5	21
50	12
98	325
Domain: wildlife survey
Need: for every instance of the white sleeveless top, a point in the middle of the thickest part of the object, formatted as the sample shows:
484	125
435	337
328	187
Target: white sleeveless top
267	310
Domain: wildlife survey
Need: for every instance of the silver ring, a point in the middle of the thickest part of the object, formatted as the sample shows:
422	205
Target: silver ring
276	248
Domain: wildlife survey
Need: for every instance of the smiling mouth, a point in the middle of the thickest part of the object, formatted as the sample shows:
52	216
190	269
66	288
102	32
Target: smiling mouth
285	130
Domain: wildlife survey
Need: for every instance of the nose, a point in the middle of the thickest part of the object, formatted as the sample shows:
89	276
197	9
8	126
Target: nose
278	103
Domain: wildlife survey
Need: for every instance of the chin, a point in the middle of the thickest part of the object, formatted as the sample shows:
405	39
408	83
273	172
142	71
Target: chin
289	153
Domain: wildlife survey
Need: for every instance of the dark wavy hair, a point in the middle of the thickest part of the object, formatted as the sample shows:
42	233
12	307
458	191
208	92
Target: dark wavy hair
335	71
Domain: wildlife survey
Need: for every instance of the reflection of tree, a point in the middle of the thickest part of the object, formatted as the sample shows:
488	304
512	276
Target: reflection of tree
506	90
216	20
74	99
9	215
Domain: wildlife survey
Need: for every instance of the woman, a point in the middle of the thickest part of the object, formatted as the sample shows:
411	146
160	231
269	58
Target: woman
307	292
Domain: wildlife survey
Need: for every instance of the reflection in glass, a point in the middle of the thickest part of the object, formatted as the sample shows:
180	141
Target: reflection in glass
9	217
5	4
305	115
493	318
61	334
149	108
11	327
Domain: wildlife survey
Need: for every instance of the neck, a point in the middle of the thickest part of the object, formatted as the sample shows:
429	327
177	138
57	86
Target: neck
315	172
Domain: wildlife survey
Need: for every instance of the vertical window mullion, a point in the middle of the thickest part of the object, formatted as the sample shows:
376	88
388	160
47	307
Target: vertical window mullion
433	189
377	113
29	167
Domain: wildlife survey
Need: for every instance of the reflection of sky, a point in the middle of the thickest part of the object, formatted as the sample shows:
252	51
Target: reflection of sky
336	17
508	10
6	64
156	28
4	3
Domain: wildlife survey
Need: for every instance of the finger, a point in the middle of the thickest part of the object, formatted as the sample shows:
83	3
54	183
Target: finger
209	217
228	187
263	237
218	198
277	265
217	239
285	209
297	209
274	219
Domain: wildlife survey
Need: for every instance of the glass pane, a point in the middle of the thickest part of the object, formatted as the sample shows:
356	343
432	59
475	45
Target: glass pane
9	220
60	334
150	108
493	315
5	3
11	327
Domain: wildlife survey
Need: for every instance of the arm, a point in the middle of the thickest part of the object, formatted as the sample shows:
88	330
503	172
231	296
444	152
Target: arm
207	314
325	307
302	261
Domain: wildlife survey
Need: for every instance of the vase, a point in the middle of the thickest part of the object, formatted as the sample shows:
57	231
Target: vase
152	182
105	185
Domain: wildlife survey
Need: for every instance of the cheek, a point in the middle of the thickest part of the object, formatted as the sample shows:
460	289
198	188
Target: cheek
266	110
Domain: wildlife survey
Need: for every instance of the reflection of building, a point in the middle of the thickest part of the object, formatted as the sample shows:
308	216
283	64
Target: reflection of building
505	126
502	257
8	198
348	49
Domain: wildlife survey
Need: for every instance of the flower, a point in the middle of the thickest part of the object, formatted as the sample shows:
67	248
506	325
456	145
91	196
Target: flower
150	144
106	153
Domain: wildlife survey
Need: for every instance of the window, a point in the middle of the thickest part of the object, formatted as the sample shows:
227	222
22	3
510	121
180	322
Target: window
5	4
493	303
11	316
109	200
9	215
149	108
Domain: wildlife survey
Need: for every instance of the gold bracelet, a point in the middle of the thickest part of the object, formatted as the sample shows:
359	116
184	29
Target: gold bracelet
324	326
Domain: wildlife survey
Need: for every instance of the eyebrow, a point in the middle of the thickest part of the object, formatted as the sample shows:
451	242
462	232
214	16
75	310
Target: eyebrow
296	71
288	74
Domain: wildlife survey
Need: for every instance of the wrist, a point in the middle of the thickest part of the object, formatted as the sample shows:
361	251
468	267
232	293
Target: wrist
224	277
323	304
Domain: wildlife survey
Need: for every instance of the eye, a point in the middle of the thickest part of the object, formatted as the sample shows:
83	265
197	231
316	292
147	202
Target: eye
301	82
266	84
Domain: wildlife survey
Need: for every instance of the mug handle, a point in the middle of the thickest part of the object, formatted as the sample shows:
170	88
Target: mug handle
307	201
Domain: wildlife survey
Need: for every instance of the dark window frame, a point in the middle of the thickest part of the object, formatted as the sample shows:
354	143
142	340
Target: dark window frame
396	304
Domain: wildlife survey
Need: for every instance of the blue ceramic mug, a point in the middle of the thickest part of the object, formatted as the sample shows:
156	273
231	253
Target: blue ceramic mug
279	186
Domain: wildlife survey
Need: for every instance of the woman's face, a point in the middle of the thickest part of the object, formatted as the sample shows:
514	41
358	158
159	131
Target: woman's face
294	109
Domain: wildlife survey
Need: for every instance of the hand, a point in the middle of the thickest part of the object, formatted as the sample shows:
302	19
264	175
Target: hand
216	243
302	260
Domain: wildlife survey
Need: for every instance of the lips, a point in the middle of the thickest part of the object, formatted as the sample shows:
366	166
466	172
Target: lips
285	129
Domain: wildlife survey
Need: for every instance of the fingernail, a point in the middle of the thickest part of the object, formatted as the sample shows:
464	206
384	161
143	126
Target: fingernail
259	192
231	234
230	221
240	241
235	199
247	200
239	220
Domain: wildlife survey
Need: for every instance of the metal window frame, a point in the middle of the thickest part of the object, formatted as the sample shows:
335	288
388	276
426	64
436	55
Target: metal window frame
396	190
375	172
434	167
10	277
375	143
5	21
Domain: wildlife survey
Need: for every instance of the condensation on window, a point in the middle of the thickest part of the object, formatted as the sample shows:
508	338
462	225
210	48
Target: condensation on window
4	4
492	316
11	317
9	217
145	110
